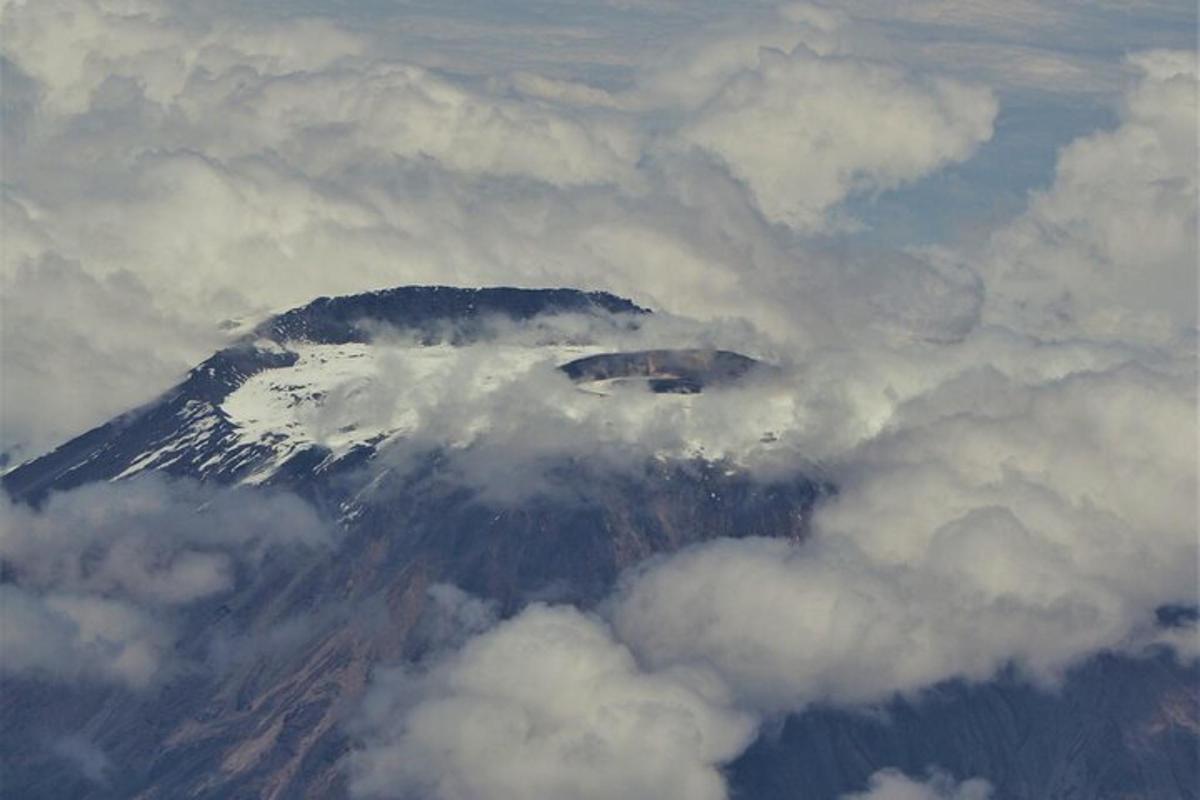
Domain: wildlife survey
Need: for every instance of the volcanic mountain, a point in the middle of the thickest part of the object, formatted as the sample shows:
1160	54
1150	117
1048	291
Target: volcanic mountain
329	402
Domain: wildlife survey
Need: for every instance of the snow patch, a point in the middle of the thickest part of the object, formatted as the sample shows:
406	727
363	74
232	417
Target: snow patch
341	396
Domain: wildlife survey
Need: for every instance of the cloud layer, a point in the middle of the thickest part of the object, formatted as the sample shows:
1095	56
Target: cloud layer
95	578
547	705
1021	492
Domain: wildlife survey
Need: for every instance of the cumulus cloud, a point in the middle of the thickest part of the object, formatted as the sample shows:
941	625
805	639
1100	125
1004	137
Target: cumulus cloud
231	166
546	705
550	704
997	516
93	578
404	111
451	618
824	127
994	491
894	785
149	539
45	350
1014	488
73	637
992	518
72	47
1109	249
787	627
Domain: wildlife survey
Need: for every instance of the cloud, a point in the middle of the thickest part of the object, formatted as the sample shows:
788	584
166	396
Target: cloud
451	618
76	637
962	537
86	757
990	519
1029	47
1109	249
546	705
550	704
218	166
1010	425
994	490
72	47
150	539
826	127
990	505
505	420
46	349
94	579
404	111
894	785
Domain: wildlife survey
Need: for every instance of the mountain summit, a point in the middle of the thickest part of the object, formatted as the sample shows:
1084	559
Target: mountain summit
256	409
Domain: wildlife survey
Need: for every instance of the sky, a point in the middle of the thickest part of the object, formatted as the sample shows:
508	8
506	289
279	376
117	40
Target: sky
967	230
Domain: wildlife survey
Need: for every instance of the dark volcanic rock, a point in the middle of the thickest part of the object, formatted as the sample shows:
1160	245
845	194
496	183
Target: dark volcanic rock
425	310
666	371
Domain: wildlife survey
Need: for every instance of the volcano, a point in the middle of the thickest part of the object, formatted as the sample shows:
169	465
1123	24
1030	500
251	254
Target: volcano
312	403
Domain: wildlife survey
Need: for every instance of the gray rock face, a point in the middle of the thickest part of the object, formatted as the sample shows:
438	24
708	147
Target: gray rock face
271	671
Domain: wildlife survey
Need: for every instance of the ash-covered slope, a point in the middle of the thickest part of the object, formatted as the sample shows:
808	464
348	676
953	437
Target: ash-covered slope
262	681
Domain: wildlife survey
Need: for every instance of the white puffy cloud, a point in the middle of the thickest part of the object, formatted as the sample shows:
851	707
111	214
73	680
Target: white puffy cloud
228	166
71	47
992	516
63	376
1065	50
963	536
693	69
805	131
150	539
507	418
403	111
1109	249
73	637
1029	512
546	705
894	785
94	576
